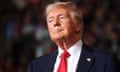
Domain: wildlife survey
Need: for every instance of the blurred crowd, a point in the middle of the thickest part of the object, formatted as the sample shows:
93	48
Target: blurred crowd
24	35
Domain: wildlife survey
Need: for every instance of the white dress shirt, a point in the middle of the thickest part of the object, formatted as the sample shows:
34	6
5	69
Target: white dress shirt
75	52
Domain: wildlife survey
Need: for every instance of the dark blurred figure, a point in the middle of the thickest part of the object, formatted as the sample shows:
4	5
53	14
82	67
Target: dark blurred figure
8	65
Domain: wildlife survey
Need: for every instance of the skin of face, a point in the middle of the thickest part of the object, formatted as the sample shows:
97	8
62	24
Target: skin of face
60	25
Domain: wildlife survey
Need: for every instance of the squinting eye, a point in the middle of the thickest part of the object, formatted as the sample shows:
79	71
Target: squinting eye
49	21
62	17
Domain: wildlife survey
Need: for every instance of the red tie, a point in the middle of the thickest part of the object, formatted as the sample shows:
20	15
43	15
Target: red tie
63	63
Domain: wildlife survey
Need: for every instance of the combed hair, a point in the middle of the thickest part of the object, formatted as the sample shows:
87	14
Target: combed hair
75	13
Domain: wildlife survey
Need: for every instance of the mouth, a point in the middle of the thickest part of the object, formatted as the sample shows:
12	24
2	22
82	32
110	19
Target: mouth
57	30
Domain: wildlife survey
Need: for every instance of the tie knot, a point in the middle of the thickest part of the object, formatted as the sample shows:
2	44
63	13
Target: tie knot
65	54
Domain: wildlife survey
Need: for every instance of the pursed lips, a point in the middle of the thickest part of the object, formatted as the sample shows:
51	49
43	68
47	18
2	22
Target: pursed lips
57	30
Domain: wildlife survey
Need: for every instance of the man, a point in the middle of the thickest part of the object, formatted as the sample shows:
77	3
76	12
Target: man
65	29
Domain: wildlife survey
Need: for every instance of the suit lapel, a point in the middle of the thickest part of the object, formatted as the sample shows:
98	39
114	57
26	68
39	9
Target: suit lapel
50	63
86	60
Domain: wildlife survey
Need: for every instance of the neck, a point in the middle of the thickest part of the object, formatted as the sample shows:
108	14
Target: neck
67	43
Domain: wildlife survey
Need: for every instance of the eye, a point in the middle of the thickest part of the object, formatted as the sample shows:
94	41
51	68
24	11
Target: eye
62	17
50	20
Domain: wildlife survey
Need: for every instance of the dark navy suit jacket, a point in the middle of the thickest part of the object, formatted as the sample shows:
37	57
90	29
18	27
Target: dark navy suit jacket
91	60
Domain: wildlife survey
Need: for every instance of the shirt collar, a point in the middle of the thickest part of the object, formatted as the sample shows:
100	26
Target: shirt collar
73	50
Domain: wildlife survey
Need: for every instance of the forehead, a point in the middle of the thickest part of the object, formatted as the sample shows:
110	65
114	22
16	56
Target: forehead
57	10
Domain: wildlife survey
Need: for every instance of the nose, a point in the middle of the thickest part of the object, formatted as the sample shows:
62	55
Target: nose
56	23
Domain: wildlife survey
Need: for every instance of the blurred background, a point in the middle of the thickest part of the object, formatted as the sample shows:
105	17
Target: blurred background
24	35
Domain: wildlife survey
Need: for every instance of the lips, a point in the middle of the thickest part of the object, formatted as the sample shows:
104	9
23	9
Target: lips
57	30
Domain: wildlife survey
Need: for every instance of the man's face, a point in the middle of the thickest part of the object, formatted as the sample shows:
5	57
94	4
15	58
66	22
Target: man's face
60	24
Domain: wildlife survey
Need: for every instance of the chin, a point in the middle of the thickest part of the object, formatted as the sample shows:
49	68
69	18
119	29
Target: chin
56	39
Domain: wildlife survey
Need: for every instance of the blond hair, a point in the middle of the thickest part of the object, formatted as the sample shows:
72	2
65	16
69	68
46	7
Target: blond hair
75	13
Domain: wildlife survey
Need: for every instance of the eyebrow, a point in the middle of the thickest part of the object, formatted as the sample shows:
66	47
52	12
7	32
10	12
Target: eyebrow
51	17
61	14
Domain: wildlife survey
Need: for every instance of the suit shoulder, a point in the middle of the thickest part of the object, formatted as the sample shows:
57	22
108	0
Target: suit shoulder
103	54
40	63
45	57
106	59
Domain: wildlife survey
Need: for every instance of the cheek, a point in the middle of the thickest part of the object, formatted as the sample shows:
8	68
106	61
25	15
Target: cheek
69	29
49	29
49	26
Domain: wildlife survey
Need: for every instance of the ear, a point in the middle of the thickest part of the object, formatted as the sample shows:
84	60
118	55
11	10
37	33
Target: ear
79	27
